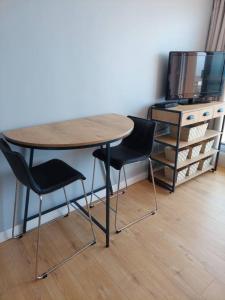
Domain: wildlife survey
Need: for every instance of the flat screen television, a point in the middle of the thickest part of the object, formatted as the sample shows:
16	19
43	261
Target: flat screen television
195	75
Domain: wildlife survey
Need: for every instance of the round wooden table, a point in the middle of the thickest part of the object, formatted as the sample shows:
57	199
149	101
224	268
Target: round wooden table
74	134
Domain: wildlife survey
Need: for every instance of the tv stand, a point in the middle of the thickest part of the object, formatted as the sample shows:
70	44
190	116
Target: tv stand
179	117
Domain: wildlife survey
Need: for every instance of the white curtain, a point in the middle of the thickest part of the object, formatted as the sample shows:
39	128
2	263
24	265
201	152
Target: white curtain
216	33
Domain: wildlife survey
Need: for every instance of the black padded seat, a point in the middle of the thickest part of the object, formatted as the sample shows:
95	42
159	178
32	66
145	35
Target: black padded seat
136	147
119	156
53	175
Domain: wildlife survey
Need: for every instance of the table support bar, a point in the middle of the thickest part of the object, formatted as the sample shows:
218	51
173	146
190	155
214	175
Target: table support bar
93	218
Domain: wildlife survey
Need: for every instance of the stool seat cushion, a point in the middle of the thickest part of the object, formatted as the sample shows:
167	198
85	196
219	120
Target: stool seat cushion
120	155
53	175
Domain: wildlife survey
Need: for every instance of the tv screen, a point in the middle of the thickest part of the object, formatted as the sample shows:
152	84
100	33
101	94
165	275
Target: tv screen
195	75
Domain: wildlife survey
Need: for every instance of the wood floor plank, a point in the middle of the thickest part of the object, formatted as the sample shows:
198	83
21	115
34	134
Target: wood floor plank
216	290
177	254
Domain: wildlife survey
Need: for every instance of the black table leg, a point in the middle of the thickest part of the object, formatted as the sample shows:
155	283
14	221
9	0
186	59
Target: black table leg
107	207
110	184
27	195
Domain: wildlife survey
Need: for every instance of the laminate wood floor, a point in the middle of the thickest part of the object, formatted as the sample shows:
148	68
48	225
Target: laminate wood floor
177	254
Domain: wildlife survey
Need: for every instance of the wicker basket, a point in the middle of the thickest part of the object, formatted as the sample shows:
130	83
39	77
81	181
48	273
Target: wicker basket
194	151
193	169
170	154
207	146
180	174
190	132
205	163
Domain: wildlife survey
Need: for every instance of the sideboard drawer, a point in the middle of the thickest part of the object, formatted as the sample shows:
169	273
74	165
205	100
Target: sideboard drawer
190	118
206	114
219	110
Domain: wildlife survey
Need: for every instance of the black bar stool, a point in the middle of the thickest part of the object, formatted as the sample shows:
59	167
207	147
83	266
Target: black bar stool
134	148
44	179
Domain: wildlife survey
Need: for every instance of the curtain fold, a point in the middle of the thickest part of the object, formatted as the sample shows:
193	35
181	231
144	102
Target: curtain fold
216	42
216	33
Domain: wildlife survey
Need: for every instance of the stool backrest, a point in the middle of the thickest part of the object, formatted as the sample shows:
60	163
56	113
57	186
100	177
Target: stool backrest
142	137
18	166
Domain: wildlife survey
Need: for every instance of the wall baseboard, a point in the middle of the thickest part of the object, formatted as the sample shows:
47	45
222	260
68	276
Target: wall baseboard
7	234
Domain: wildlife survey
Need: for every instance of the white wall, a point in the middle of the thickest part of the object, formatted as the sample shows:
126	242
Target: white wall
62	59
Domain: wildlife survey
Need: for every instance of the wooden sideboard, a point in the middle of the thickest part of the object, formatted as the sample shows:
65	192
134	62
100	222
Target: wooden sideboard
182	116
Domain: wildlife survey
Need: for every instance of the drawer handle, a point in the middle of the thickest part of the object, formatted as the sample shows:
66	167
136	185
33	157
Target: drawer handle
220	110
191	117
206	114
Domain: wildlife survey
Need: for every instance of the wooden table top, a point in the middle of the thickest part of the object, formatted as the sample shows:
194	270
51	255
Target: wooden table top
75	133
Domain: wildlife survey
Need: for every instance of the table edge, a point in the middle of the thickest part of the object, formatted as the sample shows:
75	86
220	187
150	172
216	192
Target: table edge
68	146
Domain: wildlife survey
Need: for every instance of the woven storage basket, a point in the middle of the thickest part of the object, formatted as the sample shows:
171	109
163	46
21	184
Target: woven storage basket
207	146
205	163
190	132
180	174
170	154
193	169
194	151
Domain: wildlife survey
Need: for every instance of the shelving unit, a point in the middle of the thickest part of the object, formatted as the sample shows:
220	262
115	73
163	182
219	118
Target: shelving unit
168	140
160	157
159	175
181	116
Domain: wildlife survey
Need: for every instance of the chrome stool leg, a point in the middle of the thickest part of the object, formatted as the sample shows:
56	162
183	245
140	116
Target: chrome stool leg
92	185
123	190
112	196
89	213
149	213
92	190
153	183
67	202
15	211
117	198
38	241
125	177
92	242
